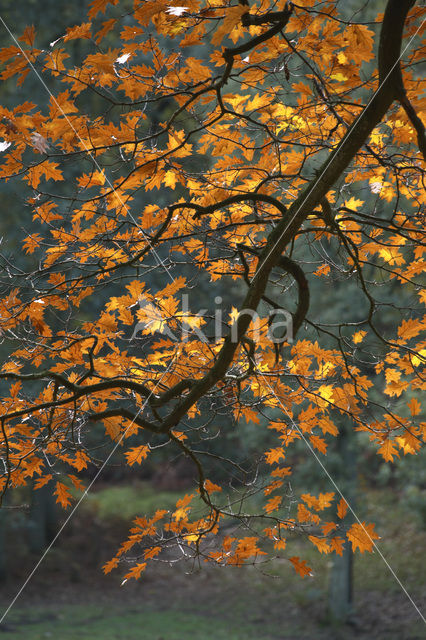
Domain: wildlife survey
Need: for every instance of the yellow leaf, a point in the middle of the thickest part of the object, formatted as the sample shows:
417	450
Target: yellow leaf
170	179
396	388
339	77
359	336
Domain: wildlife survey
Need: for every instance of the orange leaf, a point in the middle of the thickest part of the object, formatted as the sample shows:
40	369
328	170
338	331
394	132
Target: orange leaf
99	6
414	406
273	504
40	482
137	454
388	450
76	482
320	543
79	31
28	36
110	565
152	552
300	566
342	508
232	18
136	571
63	495
337	545
210	487
318	443
274	455
362	536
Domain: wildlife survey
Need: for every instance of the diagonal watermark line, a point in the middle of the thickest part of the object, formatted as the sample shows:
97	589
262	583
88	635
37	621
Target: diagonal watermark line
339	491
85	493
160	262
348	135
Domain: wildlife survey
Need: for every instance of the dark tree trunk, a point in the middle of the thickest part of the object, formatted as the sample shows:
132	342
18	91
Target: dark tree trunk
42	524
340	603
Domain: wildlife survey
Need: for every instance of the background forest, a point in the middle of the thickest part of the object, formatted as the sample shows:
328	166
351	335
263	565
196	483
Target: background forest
69	597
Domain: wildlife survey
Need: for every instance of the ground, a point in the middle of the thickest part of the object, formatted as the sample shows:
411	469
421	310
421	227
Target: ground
69	598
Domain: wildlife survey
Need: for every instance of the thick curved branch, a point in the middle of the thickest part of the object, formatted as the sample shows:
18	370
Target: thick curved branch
292	268
389	63
353	140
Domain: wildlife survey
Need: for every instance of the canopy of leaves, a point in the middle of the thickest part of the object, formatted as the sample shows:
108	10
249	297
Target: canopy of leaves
262	144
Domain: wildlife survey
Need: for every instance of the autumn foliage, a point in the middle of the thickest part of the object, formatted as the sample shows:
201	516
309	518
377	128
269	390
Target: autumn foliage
277	148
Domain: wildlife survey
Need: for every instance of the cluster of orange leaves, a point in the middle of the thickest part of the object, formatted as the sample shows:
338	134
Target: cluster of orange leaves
239	163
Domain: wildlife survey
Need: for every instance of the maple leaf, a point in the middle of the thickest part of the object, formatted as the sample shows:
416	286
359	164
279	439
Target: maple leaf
300	566
135	572
32	242
63	495
232	18
273	504
210	487
41	482
136	454
388	450
152	552
342	508
318	443
414	406
110	565
328	527
76	482
359	336
320	543
274	455
409	329
337	545
28	36
99	6
281	472
362	536
79	31
48	169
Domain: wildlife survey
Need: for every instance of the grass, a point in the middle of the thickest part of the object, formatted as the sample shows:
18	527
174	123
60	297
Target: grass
86	623
127	502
